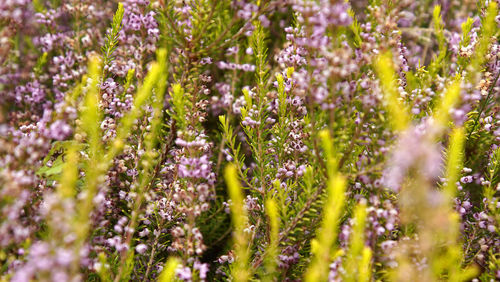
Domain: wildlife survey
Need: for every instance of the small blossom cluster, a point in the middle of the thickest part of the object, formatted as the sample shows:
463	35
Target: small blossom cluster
239	140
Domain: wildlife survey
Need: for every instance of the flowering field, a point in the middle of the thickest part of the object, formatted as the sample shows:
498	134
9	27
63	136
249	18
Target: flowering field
249	140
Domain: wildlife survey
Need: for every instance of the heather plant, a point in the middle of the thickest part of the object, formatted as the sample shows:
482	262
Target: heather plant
248	140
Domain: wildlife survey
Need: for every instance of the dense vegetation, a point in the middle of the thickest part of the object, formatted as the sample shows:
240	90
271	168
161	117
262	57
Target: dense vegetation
279	140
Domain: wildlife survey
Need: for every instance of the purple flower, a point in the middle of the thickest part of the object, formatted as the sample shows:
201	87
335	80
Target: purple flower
60	130
141	248
184	273
195	167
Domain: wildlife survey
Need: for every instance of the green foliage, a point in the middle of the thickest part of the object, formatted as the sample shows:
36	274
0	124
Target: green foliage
357	264
69	177
259	46
111	40
322	246
398	113
103	270
449	260
129	267
494	168
240	270
439	28
127	121
91	114
455	160
179	104
356	29
38	5
450	98
272	250
168	273
40	63
438	62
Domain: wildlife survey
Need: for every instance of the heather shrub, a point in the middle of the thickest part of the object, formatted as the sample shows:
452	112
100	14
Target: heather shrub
238	140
